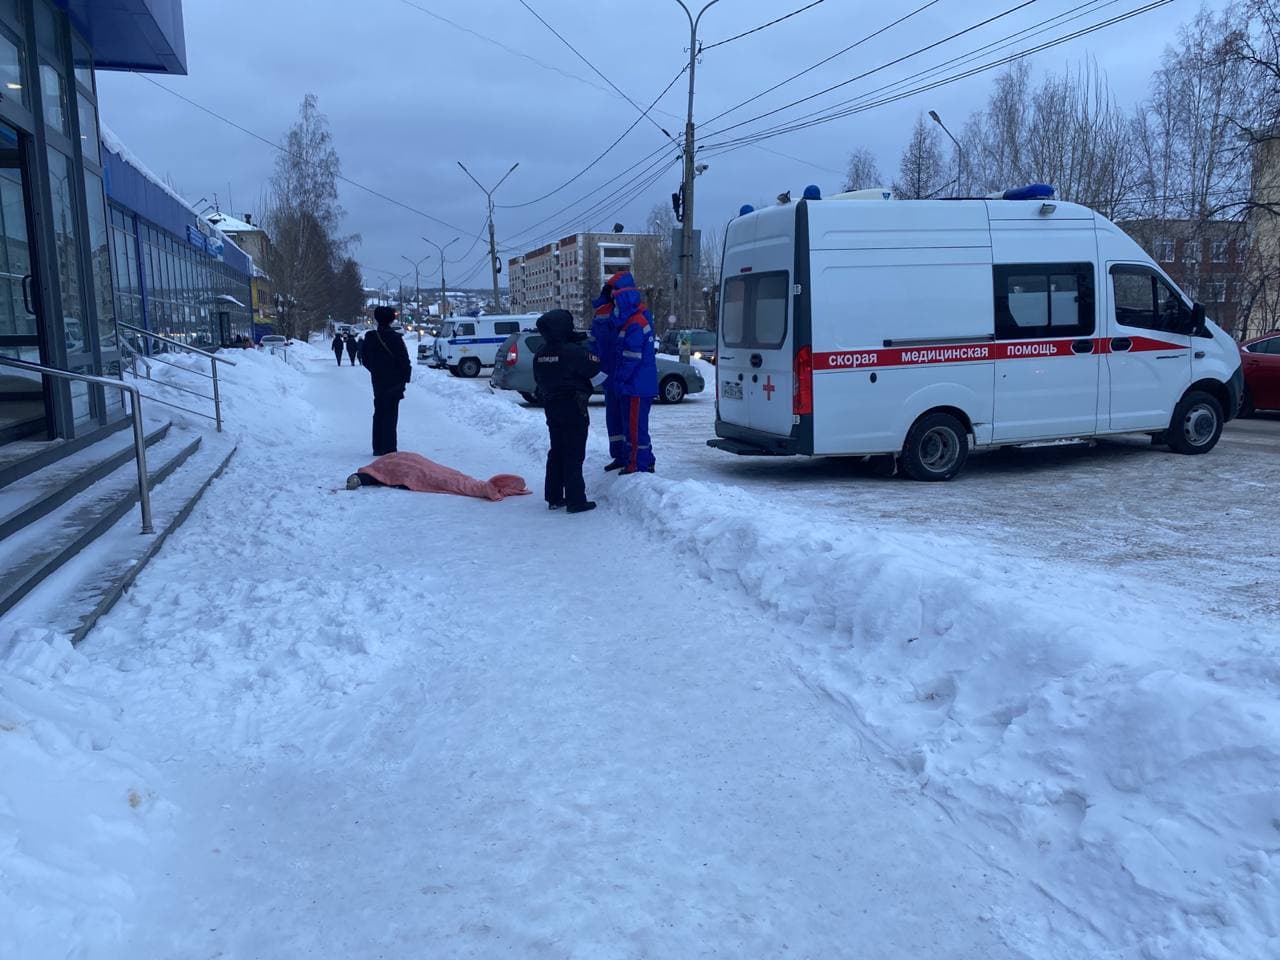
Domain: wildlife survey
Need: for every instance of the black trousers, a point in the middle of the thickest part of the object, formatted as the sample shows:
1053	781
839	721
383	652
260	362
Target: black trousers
337	355
567	423
386	415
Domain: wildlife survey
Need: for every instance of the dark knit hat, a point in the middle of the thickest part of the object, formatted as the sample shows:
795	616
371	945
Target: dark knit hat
384	315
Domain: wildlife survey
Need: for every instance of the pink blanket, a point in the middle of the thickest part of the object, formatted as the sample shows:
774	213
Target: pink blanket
416	472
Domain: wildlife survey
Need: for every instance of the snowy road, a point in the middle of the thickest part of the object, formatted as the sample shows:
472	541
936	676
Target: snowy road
439	738
1202	526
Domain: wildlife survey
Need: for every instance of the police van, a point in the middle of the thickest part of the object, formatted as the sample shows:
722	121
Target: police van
467	344
930	328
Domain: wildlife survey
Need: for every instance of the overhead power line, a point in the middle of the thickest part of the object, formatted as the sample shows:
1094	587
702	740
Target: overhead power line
763	26
643	112
607	150
276	146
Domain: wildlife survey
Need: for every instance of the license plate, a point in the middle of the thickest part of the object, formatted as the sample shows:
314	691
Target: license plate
731	390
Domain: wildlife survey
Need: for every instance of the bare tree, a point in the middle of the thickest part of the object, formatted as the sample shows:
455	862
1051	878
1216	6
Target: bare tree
922	172
862	172
995	139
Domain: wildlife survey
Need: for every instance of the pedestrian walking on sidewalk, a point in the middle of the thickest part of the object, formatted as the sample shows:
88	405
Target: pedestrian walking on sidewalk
337	347
351	347
603	341
566	373
384	355
635	373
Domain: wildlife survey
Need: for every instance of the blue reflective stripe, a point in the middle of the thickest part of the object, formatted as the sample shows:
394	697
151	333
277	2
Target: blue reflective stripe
632	353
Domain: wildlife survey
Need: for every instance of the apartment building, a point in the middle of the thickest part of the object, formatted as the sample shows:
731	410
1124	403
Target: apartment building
566	274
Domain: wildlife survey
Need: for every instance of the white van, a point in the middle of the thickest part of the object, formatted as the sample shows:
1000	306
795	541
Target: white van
468	344
928	328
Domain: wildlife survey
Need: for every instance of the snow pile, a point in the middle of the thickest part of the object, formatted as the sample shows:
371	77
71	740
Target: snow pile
77	813
1137	750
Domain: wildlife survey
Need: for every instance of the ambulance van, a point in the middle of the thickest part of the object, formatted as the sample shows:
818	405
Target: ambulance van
930	328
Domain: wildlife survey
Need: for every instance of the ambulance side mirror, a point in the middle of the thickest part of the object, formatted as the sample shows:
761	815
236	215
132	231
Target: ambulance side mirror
1196	324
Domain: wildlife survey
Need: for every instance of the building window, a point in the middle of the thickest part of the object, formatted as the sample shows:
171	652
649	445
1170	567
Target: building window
1218	249
1191	251
1164	249
1215	291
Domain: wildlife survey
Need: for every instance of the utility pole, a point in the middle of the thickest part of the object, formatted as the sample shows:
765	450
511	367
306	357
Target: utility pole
416	265
493	246
686	200
933	115
440	250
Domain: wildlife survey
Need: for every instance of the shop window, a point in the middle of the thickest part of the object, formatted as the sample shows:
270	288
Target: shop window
89	143
12	68
66	242
53	92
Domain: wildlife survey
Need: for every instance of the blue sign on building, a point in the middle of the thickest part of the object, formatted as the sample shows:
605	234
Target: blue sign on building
196	238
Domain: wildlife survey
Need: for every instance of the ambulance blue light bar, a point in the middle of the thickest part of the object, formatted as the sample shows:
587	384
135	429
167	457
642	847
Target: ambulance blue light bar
1032	191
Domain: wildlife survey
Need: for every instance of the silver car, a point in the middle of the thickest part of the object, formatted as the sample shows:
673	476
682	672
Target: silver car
513	370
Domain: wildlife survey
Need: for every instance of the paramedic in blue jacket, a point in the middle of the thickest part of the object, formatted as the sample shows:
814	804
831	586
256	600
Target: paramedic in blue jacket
635	374
604	337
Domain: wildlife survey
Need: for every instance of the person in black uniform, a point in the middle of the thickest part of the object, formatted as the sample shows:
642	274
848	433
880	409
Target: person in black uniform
384	355
351	348
565	372
336	346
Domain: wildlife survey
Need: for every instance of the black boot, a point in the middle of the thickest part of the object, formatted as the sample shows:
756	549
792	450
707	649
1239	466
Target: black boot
581	507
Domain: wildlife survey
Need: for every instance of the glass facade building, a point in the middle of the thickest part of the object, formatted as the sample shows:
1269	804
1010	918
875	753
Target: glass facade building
57	261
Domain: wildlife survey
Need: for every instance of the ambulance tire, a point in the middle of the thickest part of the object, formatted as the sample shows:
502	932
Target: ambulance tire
1196	425
936	448
469	367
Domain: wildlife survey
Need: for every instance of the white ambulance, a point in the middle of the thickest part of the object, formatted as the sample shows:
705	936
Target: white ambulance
929	328
468	344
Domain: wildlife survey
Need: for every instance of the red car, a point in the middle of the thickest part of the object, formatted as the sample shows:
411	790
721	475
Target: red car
1260	358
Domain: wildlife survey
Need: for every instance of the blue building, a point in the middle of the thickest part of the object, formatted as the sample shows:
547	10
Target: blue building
86	236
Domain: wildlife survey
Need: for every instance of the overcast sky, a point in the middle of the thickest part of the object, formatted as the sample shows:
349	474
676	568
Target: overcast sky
408	95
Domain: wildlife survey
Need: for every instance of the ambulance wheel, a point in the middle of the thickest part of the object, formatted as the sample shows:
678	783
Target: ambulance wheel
671	390
1196	425
936	449
469	368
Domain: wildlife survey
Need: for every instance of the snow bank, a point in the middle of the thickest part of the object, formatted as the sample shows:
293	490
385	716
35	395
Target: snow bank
1136	750
77	813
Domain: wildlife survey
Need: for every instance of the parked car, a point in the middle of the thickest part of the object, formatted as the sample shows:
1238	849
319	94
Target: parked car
424	352
513	370
1260	358
702	344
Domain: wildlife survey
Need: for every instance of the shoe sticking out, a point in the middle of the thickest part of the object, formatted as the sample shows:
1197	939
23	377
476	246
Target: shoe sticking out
613	465
353	482
580	507
558	505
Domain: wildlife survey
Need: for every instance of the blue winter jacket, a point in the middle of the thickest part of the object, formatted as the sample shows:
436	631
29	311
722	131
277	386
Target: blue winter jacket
603	337
636	368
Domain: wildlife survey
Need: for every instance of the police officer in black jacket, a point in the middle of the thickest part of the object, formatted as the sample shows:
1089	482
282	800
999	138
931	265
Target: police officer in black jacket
566	373
384	355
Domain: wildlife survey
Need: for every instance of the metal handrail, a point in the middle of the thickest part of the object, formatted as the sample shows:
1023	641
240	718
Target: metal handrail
213	359
139	435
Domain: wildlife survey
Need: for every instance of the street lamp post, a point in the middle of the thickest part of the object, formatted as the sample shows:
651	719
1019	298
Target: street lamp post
493	246
440	250
686	203
933	115
416	265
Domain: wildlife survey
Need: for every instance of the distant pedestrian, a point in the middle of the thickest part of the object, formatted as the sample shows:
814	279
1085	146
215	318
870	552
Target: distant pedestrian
566	373
351	347
384	355
337	347
635	373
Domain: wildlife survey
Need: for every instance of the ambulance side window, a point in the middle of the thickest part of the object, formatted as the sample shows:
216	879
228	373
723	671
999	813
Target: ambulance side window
1038	300
1145	301
754	312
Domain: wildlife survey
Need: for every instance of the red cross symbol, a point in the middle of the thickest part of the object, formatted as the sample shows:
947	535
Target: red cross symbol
769	387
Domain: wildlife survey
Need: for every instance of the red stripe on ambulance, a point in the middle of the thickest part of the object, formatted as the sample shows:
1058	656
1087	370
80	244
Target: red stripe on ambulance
975	353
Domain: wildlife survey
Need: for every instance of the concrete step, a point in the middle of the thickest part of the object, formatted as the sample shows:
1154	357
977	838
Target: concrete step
38	494
35	552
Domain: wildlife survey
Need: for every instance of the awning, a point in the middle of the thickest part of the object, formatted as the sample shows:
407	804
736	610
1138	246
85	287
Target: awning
142	35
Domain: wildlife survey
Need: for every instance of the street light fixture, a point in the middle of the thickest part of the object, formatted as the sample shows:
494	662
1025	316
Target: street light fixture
440	250
416	265
933	115
493	246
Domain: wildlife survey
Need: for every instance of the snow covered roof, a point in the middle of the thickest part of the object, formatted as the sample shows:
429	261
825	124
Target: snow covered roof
229	224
